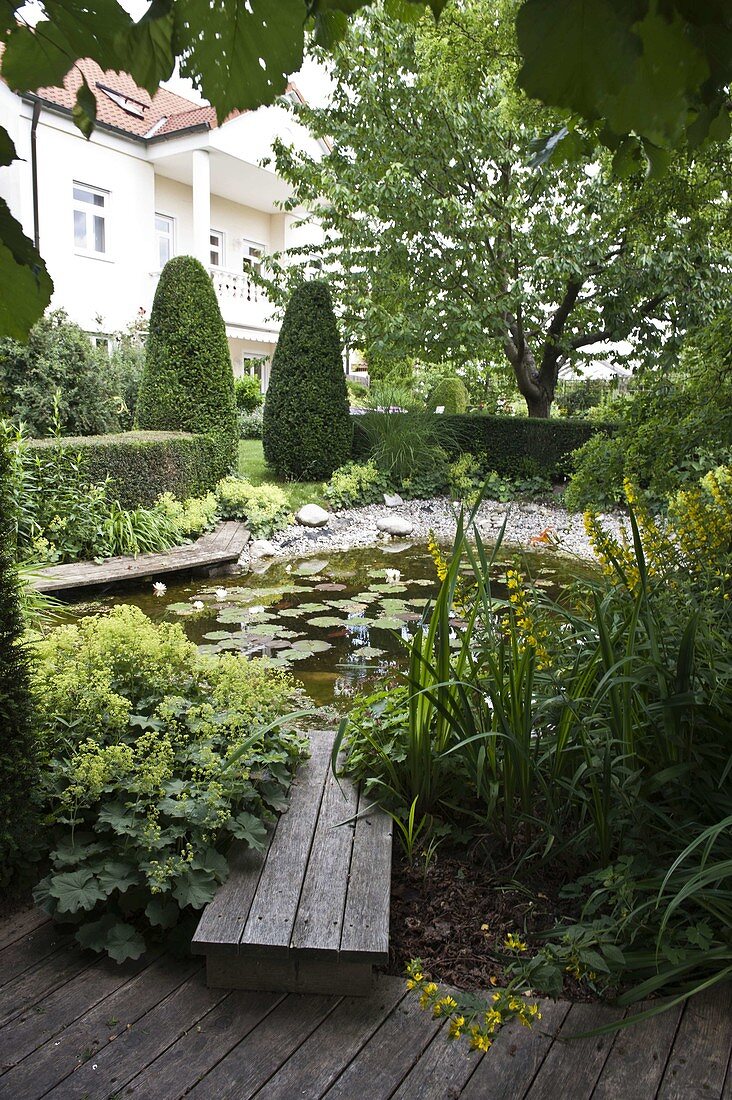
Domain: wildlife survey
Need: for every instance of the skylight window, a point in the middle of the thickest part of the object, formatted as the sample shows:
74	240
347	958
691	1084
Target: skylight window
130	106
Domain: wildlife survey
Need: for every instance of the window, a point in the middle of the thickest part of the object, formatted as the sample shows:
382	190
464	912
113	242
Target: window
90	220
164	232
252	259
217	248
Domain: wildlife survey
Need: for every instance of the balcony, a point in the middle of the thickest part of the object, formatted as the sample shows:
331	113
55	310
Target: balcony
241	301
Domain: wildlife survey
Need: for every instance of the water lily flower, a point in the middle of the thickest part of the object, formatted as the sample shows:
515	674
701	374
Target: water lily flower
222	593
198	605
159	588
393	576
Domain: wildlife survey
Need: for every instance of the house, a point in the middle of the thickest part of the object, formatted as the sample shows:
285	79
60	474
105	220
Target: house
158	178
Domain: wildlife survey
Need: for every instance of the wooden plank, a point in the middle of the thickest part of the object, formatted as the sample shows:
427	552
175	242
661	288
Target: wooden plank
388	1056
52	1063
443	1069
510	1066
274	908
110	1069
30	950
18	927
638	1057
291	973
366	917
313	1067
222	923
38	982
183	1064
699	1058
37	1024
253	1061
319	920
572	1069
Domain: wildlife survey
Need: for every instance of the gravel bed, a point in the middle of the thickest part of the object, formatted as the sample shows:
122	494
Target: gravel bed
357	527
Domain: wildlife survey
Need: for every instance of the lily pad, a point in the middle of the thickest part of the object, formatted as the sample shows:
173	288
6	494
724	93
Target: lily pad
325	621
392	605
366	652
217	635
329	586
311	645
388	587
387	622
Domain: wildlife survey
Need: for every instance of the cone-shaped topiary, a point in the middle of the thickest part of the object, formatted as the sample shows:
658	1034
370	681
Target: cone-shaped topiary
188	384
307	430
17	744
452	394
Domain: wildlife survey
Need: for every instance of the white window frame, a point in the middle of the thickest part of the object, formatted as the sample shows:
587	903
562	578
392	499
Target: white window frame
158	234
251	262
220	247
90	211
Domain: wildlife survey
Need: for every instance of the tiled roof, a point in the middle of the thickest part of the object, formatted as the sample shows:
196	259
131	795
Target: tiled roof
172	111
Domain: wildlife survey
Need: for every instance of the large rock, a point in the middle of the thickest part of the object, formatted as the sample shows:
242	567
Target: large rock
262	548
392	500
395	525
312	515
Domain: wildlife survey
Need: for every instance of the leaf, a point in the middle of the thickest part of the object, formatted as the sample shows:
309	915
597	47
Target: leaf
239	55
119	818
84	112
195	888
247	827
93	935
25	285
117	876
149	46
124	942
162	912
75	890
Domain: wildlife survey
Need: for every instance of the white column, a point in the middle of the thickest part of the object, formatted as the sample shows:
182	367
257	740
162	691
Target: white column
201	206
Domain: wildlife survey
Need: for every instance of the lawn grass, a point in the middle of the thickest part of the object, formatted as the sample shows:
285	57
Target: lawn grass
253	467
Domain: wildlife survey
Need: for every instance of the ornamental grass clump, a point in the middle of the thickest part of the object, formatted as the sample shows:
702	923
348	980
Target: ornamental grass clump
154	759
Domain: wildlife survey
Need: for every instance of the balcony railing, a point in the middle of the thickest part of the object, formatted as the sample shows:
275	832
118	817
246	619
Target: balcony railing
234	284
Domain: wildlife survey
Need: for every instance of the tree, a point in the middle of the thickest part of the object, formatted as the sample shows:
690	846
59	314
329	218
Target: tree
643	75
442	242
17	745
307	430
187	382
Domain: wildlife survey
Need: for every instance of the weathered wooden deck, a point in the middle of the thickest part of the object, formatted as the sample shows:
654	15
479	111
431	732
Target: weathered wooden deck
75	1027
309	913
212	551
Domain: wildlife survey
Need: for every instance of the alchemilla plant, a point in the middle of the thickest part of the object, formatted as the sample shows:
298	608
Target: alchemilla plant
156	758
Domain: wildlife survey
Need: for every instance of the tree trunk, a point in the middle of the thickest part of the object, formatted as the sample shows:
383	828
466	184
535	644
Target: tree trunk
539	405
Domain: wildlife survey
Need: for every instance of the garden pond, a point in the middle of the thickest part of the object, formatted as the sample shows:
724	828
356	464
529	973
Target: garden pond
338	622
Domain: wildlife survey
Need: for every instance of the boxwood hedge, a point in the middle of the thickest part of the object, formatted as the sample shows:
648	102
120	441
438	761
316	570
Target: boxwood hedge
142	465
514	446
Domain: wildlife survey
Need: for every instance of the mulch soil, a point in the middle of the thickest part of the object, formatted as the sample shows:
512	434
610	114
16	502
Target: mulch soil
455	914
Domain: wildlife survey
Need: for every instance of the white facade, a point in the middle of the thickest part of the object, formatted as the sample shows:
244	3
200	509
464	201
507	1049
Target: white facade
112	209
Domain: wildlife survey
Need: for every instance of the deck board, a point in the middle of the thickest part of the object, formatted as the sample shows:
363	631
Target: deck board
220	547
153	1030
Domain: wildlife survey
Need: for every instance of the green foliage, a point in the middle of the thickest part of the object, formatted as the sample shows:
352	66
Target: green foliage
155	759
248	393
18	806
672	427
356	484
451	394
251	424
58	379
140	465
188	383
190	517
469	479
593	732
264	508
307	430
126	364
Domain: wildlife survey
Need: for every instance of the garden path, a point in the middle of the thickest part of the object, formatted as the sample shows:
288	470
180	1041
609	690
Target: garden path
73	1025
219	548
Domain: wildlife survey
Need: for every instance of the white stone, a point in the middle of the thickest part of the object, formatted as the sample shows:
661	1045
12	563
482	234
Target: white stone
262	548
312	515
392	500
395	525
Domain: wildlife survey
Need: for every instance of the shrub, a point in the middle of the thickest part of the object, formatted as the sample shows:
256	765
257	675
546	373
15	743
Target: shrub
248	393
126	364
512	446
263	508
307	431
154	763
17	747
356	484
58	357
141	465
188	382
250	424
452	394
191	517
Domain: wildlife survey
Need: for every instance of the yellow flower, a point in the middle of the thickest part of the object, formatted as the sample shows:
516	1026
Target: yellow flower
513	943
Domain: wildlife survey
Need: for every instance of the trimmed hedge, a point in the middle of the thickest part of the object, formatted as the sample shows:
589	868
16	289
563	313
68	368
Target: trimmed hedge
513	446
452	394
142	465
